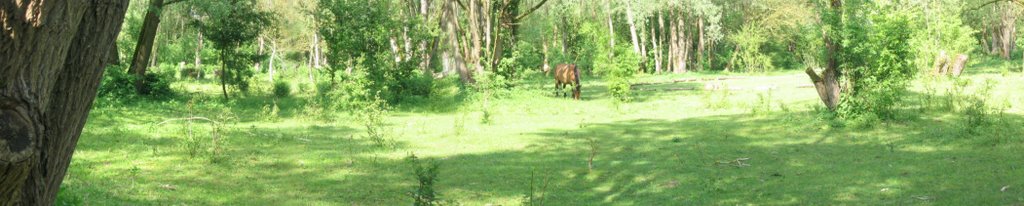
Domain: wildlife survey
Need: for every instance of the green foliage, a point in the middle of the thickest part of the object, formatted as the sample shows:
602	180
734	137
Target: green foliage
941	29
524	56
358	33
118	84
425	173
282	89
877	61
716	99
233	26
348	94
974	107
373	115
750	57
617	71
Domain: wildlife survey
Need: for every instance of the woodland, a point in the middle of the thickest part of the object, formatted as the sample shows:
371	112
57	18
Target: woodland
511	102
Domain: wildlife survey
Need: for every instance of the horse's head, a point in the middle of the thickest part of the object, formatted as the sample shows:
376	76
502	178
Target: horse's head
576	93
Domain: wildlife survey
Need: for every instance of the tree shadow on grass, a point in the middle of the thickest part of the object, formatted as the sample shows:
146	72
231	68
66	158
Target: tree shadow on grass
774	158
741	159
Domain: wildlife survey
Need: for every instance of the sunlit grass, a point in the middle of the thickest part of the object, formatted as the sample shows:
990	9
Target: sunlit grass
748	139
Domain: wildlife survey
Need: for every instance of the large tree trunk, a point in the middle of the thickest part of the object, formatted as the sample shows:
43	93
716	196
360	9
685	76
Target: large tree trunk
682	45
52	56
827	84
1008	36
144	47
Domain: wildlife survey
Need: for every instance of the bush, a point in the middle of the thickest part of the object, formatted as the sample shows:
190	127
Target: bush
282	89
750	58
373	114
618	72
158	85
119	84
425	173
878	64
346	94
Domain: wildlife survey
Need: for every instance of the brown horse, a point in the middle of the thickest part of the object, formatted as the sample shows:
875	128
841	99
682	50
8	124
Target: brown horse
567	74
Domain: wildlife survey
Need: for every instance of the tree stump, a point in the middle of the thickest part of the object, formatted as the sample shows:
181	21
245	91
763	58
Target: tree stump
958	65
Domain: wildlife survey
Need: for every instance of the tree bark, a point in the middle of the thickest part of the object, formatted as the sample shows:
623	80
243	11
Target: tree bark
659	54
611	29
270	65
257	65
224	74
700	43
827	84
1009	32
633	35
657	51
144	47
199	52
52	57
958	65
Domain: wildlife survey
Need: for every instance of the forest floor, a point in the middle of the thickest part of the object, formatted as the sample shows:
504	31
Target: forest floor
692	139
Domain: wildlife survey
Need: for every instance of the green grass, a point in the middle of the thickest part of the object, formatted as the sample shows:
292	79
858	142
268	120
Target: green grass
675	144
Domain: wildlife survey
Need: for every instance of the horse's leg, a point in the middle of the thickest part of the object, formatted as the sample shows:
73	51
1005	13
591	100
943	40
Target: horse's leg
557	87
563	89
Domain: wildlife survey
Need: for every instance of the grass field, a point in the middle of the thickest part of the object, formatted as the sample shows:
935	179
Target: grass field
716	139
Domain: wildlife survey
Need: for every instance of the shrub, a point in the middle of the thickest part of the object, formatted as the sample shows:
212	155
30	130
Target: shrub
282	89
119	84
750	58
425	173
618	72
346	94
878	65
158	85
976	111
373	114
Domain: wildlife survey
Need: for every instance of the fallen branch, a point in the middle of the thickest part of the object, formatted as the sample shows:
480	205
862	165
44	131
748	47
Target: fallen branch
187	119
688	80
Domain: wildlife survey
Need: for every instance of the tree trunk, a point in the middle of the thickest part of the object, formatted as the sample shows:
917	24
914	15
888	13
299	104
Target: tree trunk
224	74
1009	32
270	65
700	43
958	65
463	51
683	45
827	84
672	42
611	29
633	35
732	60
658	54
52	57
144	47
317	52
546	68
199	52
657	51
475	30
257	65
